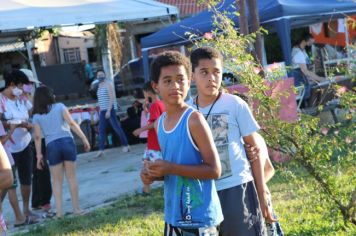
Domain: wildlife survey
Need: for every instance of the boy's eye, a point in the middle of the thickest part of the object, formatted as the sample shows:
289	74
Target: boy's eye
204	72
167	81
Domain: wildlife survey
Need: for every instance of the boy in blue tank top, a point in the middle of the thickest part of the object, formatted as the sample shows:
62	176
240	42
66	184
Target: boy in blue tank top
190	159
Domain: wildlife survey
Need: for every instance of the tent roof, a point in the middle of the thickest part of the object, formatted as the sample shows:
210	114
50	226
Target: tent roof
25	14
298	12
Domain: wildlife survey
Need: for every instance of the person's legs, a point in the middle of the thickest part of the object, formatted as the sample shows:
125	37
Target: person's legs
55	159
57	182
14	202
23	162
242	214
70	155
70	167
45	181
116	126
102	130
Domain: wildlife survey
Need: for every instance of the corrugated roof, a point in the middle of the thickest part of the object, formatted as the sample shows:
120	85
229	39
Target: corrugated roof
186	7
12	47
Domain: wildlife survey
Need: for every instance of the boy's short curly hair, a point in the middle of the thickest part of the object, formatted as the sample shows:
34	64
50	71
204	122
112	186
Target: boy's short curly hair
204	53
167	59
147	87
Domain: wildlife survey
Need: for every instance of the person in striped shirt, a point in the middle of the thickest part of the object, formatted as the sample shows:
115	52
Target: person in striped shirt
108	104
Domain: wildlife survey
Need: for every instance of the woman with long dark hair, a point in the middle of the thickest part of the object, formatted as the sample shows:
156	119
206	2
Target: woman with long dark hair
55	123
301	65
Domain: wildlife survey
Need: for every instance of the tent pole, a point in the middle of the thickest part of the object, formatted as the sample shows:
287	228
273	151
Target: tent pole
106	55
145	62
29	46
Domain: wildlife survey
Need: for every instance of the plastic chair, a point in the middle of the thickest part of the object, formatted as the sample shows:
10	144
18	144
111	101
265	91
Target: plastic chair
300	95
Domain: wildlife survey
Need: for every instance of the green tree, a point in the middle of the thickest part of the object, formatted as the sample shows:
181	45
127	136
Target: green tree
326	152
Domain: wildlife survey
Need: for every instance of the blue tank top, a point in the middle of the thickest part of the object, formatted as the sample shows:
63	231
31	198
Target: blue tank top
188	203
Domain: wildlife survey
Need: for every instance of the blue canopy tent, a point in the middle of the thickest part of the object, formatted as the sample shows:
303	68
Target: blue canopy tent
278	16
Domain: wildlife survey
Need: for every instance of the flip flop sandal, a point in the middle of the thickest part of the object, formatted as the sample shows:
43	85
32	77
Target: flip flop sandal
28	221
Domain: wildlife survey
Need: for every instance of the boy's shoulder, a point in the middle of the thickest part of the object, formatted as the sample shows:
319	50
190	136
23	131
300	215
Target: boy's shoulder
232	99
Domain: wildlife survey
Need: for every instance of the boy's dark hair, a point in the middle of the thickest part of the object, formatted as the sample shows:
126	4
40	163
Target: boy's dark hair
204	53
99	70
16	77
147	87
168	58
43	100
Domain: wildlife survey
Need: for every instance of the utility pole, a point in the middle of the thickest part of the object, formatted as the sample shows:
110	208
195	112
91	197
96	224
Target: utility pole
243	22
255	26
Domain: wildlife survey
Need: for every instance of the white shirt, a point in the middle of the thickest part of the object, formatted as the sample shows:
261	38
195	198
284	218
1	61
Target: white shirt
17	110
230	119
299	56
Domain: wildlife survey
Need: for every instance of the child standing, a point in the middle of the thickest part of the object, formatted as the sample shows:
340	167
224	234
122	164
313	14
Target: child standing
190	159
153	151
54	121
231	120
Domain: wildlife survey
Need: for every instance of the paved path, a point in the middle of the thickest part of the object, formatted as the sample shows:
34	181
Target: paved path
101	181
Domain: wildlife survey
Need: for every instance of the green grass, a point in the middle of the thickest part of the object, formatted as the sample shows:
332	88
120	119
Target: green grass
299	208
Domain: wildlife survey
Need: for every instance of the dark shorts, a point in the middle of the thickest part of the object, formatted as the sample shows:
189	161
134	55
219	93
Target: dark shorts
170	230
59	150
241	210
23	162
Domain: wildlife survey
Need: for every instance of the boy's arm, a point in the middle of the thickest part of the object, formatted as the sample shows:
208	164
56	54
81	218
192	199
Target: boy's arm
210	167
7	136
269	170
142	129
261	150
257	171
38	146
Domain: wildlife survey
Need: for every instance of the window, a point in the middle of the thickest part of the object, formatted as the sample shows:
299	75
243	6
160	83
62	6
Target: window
71	55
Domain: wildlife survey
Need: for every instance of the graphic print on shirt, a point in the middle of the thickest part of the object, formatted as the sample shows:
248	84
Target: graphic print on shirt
219	126
190	198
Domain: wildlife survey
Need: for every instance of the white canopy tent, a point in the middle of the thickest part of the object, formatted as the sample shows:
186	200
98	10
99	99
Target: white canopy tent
28	14
20	16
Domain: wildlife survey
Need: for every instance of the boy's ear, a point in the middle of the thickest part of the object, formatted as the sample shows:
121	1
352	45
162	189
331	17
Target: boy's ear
154	86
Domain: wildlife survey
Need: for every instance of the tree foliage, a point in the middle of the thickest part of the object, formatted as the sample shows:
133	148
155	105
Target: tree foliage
325	151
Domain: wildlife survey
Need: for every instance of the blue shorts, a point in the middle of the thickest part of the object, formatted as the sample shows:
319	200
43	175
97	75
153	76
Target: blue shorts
62	149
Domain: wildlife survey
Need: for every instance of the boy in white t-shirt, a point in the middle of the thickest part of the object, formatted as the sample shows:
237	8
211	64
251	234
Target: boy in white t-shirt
231	121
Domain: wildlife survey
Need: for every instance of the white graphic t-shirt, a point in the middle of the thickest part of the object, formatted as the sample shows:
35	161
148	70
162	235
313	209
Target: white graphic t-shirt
230	119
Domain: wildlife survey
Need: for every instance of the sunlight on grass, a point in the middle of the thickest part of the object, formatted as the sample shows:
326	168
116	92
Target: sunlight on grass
299	208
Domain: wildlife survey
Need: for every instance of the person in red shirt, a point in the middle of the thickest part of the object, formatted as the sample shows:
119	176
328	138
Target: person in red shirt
153	150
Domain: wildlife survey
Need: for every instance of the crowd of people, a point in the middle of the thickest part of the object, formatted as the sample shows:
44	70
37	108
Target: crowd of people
208	152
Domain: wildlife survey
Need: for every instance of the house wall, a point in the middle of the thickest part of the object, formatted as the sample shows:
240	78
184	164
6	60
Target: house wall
71	42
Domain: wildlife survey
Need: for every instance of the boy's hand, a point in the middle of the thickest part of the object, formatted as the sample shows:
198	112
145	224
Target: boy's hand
107	114
145	177
266	209
136	132
86	145
25	125
159	168
13	127
40	164
252	151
